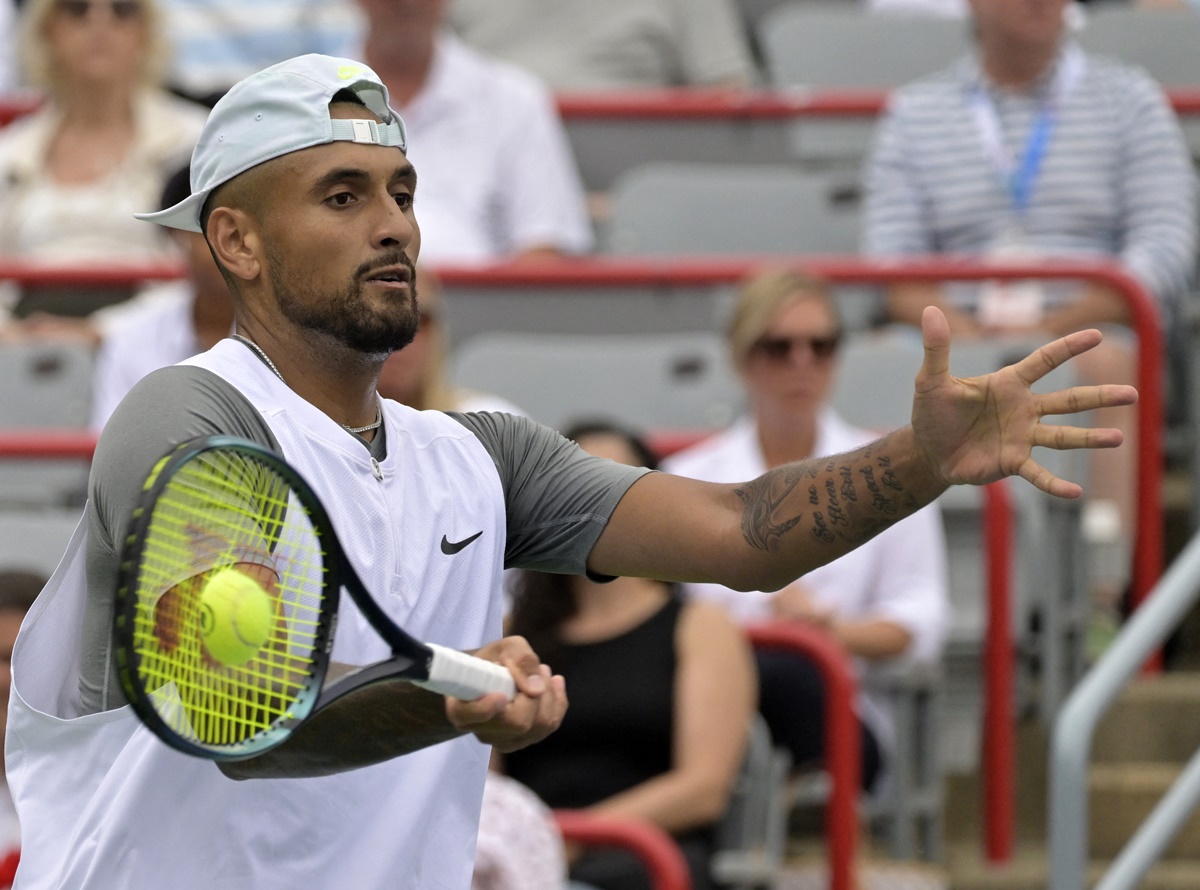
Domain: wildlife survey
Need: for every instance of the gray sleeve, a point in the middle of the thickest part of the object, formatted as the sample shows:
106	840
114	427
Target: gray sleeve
557	496
164	409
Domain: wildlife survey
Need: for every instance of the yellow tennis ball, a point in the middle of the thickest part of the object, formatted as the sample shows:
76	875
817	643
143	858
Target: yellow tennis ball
236	615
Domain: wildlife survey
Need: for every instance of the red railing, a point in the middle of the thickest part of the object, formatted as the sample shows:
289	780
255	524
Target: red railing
843	744
762	104
655	848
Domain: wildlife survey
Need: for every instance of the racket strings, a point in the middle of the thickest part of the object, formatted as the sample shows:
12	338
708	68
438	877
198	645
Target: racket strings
223	509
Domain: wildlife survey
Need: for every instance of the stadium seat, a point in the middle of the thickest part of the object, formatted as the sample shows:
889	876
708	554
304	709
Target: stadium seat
842	46
685	208
653	382
1163	41
752	835
48	385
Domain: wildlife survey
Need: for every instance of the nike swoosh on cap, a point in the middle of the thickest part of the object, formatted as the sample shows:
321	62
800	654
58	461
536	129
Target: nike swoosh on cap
451	547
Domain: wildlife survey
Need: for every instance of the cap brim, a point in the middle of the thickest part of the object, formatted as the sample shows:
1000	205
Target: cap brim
184	215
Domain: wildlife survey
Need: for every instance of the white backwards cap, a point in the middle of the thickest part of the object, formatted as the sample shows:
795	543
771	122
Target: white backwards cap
275	112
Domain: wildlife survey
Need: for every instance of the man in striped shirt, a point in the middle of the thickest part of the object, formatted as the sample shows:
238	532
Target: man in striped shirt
1031	147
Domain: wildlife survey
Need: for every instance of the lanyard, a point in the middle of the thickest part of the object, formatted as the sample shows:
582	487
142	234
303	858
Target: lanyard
1019	177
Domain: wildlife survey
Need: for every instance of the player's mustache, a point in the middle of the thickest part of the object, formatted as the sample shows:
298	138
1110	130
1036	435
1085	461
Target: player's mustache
366	270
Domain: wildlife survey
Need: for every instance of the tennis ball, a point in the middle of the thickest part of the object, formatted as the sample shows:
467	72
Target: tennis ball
236	615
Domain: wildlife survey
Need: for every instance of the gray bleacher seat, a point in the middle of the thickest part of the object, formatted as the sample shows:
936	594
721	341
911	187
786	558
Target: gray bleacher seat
843	46
689	208
1163	41
686	208
47	385
654	382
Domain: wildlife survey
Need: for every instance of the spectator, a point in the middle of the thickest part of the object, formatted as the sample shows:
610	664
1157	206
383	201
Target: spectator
620	44
417	375
662	692
887	599
73	172
165	325
216	43
498	179
519	846
18	590
1031	147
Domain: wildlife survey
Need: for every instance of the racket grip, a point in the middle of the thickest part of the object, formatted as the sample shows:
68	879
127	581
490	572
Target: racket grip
464	676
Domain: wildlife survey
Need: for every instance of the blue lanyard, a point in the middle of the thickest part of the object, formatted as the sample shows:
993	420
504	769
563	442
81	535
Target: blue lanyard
1019	177
1022	177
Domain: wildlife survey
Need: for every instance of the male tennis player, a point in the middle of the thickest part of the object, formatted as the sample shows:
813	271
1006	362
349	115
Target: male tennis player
301	185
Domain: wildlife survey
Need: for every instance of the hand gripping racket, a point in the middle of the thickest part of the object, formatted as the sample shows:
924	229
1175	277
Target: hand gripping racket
227	602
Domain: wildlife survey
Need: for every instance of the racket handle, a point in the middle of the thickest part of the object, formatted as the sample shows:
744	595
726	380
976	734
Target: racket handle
464	676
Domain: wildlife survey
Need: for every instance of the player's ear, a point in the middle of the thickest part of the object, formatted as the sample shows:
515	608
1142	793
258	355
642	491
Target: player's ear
235	242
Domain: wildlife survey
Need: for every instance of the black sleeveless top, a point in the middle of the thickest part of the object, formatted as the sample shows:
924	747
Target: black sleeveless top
618	727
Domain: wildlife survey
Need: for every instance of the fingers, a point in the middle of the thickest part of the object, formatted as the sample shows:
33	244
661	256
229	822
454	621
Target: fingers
535	712
1046	358
1037	475
1086	398
1065	438
935	332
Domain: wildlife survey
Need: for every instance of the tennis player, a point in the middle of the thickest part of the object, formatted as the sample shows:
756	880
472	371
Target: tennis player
301	185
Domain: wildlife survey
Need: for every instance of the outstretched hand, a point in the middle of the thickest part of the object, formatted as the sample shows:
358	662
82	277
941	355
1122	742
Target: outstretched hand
976	430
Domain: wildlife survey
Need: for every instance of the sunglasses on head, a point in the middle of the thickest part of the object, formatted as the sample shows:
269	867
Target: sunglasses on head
779	349
122	10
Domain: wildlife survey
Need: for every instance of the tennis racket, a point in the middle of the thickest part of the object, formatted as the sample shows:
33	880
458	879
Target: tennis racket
227	602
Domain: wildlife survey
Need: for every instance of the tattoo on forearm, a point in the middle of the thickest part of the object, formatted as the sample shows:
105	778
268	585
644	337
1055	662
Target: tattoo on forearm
834	500
762	498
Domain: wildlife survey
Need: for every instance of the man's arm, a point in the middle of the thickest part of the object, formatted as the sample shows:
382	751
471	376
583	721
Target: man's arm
390	719
762	534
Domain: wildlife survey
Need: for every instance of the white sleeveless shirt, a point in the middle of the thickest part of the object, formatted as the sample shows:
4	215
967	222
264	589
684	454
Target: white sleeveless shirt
104	803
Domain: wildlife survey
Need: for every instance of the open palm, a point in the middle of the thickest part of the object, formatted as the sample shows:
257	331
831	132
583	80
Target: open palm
979	429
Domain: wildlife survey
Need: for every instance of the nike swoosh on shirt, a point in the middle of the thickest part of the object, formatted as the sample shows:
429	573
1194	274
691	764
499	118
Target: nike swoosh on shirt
451	547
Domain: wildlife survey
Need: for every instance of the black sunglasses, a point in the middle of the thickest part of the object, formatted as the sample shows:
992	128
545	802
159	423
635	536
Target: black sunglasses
122	10
779	349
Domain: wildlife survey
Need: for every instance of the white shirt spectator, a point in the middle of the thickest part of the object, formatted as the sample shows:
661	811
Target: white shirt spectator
495	173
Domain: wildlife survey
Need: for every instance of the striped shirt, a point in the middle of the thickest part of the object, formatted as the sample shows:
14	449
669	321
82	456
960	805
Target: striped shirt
1116	179
215	43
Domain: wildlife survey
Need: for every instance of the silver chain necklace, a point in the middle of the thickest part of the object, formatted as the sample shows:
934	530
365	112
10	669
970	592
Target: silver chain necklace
270	364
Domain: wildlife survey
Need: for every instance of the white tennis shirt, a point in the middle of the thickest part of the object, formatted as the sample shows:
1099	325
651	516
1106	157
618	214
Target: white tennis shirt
104	803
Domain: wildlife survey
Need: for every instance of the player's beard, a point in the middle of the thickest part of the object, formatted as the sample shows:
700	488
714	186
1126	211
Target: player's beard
344	314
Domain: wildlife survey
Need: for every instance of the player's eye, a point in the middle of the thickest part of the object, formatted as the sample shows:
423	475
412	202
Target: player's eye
341	199
404	200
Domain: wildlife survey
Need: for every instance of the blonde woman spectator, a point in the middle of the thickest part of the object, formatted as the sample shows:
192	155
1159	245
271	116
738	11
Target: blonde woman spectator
73	173
886	600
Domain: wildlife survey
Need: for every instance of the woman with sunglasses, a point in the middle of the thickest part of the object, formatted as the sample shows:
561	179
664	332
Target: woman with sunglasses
883	601
98	149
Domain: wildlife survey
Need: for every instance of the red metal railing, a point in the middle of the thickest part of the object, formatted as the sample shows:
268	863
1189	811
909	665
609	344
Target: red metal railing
843	744
715	104
656	849
764	104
